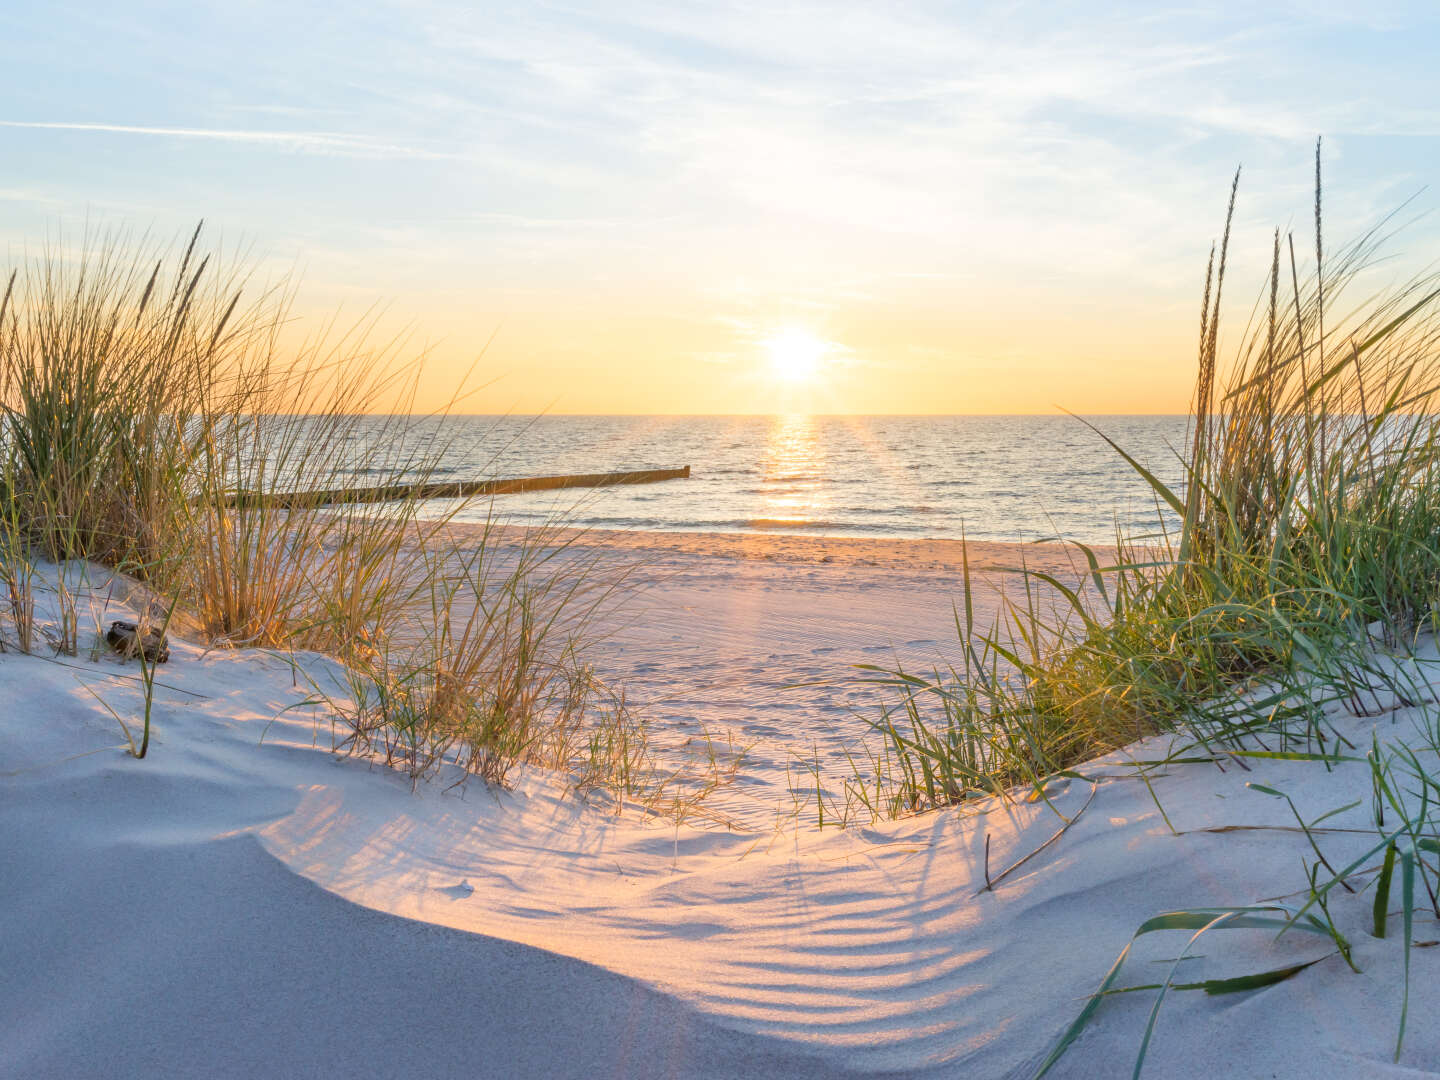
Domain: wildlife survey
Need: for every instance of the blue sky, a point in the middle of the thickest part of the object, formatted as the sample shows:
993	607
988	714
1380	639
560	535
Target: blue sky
977	207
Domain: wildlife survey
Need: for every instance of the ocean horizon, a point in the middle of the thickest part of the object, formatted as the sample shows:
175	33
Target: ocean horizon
1019	478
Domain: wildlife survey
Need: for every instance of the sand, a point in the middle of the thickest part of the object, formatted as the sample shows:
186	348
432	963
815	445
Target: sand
749	643
243	903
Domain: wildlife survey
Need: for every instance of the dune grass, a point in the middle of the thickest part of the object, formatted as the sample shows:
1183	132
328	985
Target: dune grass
141	387
1300	558
1308	523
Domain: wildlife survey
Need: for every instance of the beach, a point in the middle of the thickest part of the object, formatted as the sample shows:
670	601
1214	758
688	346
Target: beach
751	642
243	902
628	541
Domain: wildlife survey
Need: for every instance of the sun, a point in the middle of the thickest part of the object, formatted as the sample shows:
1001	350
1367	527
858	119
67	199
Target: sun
795	354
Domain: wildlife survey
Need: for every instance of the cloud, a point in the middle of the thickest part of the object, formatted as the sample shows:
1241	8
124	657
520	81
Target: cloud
850	152
307	141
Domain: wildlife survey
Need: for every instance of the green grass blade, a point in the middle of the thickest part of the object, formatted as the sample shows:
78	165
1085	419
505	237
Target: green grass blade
1240	983
1382	892
1073	1031
1219	920
1200	919
1407	877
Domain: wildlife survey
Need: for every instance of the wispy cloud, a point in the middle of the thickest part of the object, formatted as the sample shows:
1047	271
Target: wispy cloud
913	165
308	141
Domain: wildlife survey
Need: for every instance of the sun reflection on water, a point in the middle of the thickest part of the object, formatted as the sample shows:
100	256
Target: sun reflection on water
792	493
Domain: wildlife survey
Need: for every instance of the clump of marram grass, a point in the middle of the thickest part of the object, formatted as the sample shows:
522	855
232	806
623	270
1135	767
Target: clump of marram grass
1310	514
144	394
1305	537
141	391
100	359
484	669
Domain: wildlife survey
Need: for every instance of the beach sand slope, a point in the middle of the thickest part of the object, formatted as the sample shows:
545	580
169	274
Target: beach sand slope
241	902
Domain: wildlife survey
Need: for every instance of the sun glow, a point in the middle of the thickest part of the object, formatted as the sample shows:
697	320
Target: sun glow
795	354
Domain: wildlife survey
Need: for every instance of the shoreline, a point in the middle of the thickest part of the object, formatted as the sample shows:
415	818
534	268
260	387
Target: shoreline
759	646
929	553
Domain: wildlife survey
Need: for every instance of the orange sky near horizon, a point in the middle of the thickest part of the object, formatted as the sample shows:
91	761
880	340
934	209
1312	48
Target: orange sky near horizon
573	356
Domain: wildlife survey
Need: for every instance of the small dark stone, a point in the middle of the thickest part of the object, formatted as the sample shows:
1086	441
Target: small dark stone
127	640
828	558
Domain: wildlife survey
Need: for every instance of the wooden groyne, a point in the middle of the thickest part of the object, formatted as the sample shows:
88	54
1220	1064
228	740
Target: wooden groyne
464	489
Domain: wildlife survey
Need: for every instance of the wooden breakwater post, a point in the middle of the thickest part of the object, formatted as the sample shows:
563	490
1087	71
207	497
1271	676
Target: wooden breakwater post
463	489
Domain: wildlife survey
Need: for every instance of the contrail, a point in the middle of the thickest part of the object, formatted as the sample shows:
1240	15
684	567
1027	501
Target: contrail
301	140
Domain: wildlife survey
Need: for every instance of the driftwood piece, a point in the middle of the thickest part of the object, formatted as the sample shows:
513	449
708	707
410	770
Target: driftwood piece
290	500
127	639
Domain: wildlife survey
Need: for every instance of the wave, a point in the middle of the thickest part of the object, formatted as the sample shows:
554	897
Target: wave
807	524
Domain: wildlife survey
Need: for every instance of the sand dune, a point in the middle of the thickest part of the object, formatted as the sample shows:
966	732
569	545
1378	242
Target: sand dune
241	902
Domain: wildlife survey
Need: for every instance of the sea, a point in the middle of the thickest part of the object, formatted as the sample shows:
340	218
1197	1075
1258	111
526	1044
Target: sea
1007	478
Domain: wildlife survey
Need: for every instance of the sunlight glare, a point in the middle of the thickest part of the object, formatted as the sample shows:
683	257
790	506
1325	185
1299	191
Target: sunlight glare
795	354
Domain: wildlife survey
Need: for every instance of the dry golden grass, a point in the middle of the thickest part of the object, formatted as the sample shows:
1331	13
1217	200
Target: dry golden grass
141	389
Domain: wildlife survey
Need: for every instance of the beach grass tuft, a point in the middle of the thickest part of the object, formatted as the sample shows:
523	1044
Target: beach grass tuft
145	390
1305	528
1280	584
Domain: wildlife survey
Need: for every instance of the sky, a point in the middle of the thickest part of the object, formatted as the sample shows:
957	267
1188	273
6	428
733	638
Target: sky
736	207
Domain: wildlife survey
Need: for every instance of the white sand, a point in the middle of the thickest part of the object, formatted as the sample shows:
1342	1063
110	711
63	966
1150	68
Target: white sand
237	907
751	641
